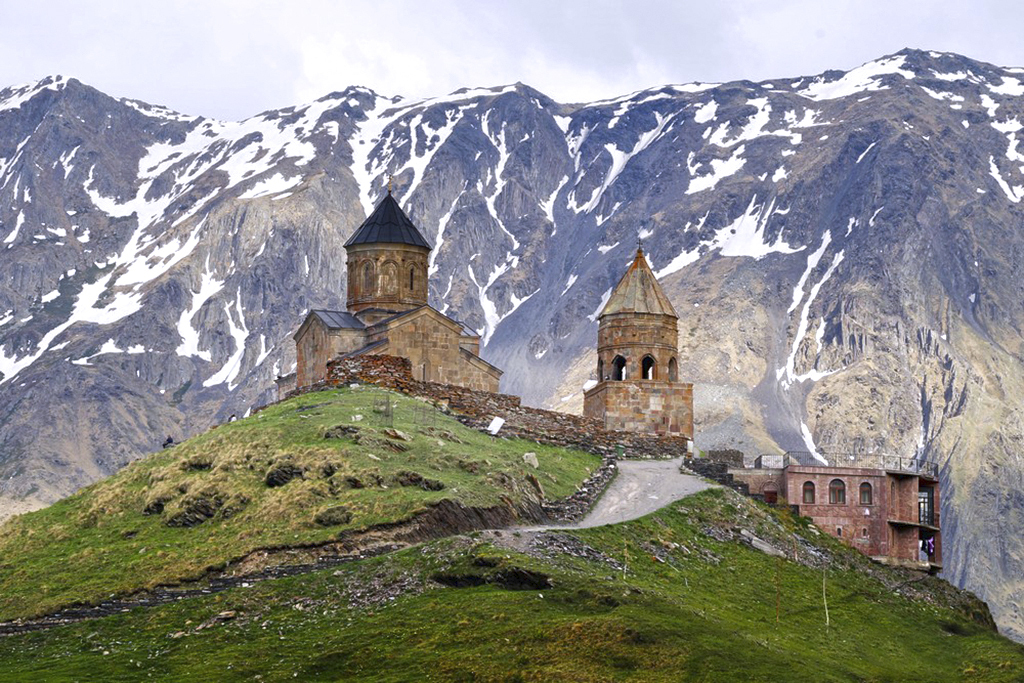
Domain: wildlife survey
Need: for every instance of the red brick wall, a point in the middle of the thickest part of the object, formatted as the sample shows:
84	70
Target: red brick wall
894	498
853	518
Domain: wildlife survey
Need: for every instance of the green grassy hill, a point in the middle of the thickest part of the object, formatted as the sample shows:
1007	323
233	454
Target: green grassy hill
666	598
677	595
306	471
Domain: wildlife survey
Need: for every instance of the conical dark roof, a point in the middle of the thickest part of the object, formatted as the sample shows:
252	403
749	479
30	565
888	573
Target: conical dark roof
638	292
388	223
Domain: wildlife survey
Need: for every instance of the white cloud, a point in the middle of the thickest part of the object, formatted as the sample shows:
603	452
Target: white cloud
235	58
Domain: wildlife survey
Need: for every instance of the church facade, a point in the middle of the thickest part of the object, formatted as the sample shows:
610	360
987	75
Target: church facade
388	314
638	387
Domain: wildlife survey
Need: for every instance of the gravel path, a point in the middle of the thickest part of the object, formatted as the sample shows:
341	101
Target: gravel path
640	488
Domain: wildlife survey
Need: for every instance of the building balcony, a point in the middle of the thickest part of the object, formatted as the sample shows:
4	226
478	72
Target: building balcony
892	464
920	524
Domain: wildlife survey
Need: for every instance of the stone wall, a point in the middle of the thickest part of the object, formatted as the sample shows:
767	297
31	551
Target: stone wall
759	481
388	276
651	406
434	346
477	408
312	349
634	336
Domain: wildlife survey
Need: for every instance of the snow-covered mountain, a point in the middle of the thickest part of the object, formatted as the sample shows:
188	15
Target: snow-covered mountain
845	252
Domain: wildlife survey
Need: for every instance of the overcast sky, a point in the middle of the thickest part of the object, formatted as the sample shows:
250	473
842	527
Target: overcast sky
233	59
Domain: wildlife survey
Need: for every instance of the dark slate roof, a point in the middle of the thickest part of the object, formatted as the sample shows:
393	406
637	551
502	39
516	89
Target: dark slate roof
365	349
338	319
388	223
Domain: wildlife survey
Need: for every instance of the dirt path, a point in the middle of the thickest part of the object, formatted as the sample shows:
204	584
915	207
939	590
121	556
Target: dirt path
640	488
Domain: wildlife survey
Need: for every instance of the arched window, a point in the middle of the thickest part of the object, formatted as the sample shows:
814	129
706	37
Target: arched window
865	494
809	492
412	278
647	368
837	492
618	368
600	370
673	370
389	278
770	491
369	279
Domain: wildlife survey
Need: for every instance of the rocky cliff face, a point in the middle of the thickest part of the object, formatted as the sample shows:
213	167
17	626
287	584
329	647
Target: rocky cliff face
845	252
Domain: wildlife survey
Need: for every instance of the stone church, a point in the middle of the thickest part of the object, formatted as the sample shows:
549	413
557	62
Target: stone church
388	314
638	387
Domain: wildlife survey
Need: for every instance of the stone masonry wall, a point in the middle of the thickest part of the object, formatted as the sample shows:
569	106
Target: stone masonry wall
477	408
435	352
642	406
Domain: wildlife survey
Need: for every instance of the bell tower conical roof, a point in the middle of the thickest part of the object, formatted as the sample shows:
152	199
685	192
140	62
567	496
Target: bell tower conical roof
638	292
388	224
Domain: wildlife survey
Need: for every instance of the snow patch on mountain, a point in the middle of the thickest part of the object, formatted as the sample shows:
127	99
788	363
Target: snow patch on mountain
862	79
239	333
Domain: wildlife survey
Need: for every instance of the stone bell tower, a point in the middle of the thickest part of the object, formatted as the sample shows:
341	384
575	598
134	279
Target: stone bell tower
387	264
638	385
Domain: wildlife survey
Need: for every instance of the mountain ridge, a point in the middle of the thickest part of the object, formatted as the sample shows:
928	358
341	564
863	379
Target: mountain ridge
843	250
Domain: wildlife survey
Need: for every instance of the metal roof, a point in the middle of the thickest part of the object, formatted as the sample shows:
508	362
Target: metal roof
388	223
638	292
338	319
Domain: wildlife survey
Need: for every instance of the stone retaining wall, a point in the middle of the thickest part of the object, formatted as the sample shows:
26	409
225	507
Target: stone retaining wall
477	408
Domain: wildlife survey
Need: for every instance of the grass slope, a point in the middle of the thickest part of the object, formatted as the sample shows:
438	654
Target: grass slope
100	541
706	610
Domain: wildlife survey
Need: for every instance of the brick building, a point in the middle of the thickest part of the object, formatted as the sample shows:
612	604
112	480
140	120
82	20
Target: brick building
885	506
388	313
638	386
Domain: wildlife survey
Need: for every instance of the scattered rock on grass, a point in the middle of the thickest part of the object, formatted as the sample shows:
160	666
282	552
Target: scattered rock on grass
196	510
416	479
341	432
396	434
282	474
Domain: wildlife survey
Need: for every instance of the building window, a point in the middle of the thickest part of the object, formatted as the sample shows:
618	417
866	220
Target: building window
369	284
412	278
809	492
389	278
618	368
925	507
600	370
647	368
673	370
865	494
864	532
839	531
837	492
